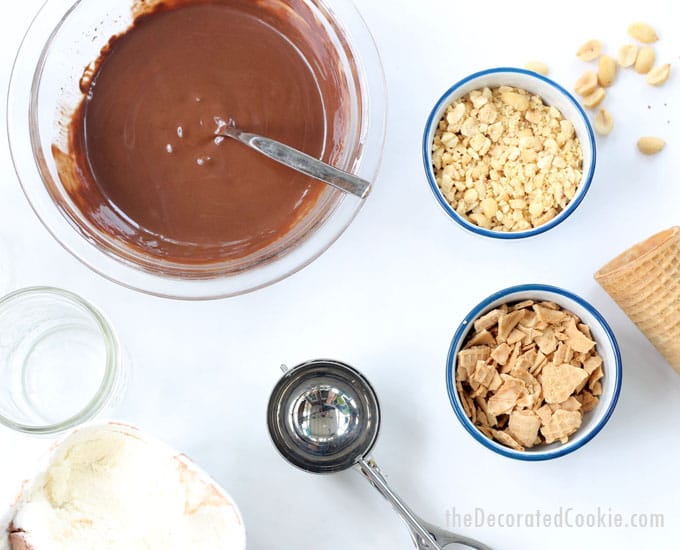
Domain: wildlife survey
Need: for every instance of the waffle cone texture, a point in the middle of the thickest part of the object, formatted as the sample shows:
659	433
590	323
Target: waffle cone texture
645	282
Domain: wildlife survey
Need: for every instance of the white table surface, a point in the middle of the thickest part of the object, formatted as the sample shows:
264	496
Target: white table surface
387	298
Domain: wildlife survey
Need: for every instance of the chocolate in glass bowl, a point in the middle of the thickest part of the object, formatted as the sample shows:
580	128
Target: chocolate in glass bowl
68	35
141	165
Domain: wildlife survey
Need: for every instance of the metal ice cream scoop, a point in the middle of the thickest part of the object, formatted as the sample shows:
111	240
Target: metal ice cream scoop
324	417
297	160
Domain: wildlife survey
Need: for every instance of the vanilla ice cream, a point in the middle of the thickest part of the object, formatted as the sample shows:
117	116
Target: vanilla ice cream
109	487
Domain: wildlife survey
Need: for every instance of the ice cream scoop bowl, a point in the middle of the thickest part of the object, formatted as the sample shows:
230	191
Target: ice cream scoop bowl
324	417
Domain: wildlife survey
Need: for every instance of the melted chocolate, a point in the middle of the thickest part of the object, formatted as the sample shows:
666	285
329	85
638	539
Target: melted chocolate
143	165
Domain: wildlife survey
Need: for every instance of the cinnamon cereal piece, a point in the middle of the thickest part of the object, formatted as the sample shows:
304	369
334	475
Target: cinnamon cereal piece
507	323
596	389
549	315
544	413
486	431
482	376
547	342
571	404
560	381
523	427
468	358
515	336
483	338
488	320
513	358
561	425
588	401
506	439
585	329
563	354
496	383
592	363
577	340
464	400
482	406
505	399
501	354
540	361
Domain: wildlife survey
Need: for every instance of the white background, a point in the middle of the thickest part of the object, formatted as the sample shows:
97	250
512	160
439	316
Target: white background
387	298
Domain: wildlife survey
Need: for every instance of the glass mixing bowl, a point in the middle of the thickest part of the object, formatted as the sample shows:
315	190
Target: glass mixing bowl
65	37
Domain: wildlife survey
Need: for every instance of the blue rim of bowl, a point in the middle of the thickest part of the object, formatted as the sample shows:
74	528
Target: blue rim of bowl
427	158
497	447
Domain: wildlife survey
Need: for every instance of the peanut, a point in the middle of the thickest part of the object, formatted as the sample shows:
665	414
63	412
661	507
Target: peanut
489	207
658	75
537	67
604	122
627	55
649	145
606	71
594	99
515	100
645	60
643	33
590	50
586	84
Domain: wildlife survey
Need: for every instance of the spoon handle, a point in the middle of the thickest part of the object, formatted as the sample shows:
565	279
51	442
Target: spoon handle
297	160
425	535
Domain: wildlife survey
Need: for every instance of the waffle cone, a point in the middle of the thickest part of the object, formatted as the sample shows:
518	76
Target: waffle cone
645	282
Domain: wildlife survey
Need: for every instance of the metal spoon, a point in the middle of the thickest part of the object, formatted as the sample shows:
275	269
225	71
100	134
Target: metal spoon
297	160
324	417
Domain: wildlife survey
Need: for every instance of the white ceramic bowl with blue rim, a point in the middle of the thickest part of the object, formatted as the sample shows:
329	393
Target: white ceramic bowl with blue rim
553	94
607	346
